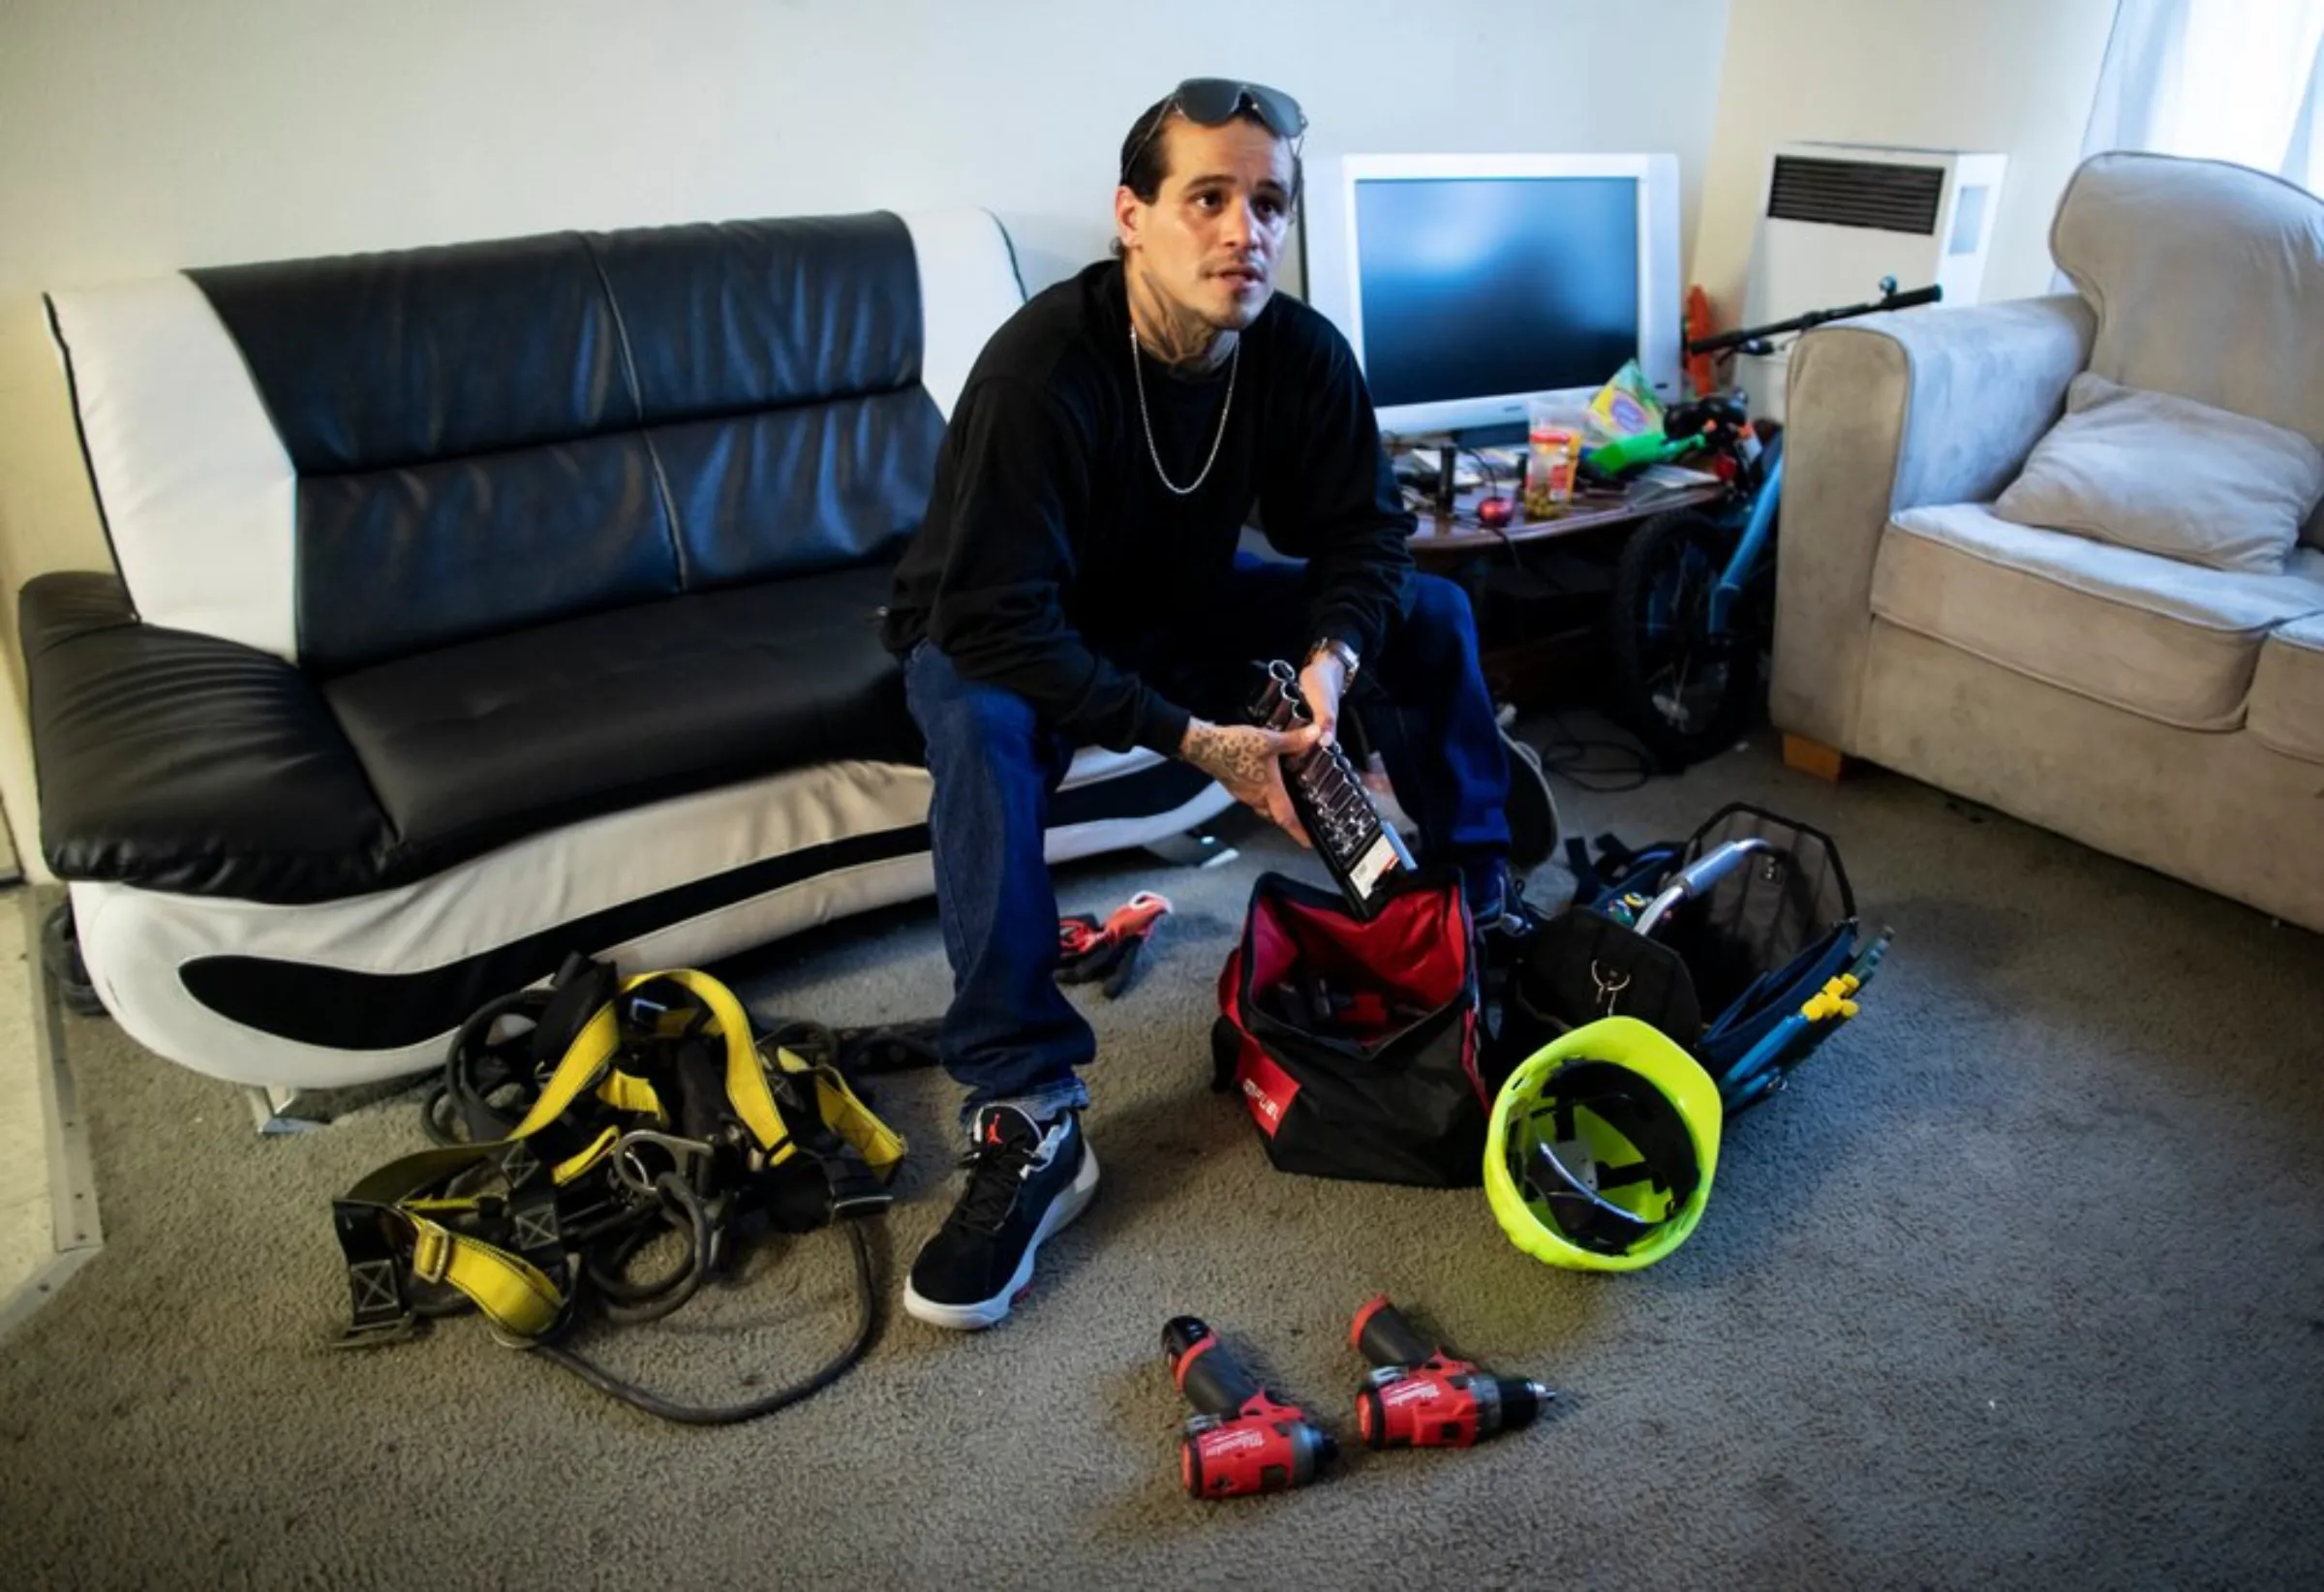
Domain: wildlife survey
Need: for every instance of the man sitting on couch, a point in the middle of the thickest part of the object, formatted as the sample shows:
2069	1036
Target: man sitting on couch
1077	582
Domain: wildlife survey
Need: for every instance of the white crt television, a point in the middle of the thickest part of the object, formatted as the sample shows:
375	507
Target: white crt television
1469	284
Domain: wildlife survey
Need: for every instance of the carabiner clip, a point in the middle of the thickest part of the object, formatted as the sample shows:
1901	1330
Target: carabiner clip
631	1166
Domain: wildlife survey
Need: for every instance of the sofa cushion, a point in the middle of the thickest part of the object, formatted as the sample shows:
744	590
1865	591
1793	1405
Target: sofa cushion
173	762
2170	641
426	446
373	360
2287	691
777	371
393	563
2169	476
475	745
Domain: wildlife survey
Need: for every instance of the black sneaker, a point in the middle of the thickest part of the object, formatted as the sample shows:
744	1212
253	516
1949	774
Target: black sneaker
1026	1180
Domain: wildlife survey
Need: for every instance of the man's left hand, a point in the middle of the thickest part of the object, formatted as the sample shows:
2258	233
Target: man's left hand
1321	683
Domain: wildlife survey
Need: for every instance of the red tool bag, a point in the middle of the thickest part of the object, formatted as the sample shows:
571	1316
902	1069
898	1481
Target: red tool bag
1353	1043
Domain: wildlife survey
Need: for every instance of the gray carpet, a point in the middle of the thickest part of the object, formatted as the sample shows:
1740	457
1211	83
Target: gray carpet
2021	1284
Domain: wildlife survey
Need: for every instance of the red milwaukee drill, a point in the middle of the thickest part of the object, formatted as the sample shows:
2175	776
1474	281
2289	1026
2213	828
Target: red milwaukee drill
1418	1396
1243	1440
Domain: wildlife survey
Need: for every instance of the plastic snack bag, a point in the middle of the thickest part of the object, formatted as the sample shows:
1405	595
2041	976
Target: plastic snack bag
1625	407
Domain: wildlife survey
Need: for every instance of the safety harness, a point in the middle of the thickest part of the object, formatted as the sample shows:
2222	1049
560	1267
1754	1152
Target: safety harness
629	1109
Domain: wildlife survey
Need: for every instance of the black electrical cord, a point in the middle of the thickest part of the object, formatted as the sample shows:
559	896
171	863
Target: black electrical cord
627	1301
631	1304
867	1328
1492	488
1602	767
1487	465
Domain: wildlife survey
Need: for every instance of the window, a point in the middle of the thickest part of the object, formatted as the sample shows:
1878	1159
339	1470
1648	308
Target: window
2226	79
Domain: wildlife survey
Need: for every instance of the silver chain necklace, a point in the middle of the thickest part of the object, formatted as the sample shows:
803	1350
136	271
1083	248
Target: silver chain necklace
1137	375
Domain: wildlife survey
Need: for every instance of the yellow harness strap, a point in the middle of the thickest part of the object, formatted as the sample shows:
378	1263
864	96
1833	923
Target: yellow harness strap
514	1295
754	1100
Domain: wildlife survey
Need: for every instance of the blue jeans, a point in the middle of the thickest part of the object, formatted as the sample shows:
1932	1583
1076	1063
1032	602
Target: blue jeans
1010	1033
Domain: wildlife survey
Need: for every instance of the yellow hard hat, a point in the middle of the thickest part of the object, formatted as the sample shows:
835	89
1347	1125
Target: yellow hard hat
1601	1145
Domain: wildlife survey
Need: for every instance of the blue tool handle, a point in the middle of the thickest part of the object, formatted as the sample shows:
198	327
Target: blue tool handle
1777	1039
1864	967
1770	1046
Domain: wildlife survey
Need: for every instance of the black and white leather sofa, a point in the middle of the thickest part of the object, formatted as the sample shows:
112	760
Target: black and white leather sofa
477	604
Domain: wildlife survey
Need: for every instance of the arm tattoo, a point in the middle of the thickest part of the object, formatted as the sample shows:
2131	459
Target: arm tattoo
1239	761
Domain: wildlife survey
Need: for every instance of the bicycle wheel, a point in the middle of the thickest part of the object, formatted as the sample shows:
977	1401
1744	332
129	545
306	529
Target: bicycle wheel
1683	691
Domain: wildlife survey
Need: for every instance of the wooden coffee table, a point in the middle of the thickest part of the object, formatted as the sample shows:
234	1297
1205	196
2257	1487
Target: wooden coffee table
1531	666
1450	538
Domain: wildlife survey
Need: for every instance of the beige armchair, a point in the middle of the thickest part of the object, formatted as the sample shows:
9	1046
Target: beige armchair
2163	711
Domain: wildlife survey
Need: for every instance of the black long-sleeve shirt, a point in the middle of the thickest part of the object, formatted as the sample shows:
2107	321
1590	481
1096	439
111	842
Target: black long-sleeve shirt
1050	532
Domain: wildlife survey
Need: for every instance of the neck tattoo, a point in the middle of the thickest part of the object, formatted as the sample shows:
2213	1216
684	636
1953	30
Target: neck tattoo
1137	376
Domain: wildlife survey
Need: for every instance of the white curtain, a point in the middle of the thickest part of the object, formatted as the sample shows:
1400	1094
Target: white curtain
2238	81
2304	158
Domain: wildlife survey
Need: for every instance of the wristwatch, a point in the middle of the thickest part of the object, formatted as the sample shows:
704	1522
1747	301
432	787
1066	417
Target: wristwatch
1348	660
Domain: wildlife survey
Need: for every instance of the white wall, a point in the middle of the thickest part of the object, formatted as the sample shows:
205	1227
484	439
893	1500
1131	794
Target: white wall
140	136
2013	77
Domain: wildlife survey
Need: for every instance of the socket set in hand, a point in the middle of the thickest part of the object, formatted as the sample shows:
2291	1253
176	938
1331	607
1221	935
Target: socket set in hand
1363	853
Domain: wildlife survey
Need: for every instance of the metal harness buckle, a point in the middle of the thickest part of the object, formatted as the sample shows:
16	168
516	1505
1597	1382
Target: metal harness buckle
684	1155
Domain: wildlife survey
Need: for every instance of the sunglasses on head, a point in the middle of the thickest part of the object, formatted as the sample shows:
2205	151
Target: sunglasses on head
1213	102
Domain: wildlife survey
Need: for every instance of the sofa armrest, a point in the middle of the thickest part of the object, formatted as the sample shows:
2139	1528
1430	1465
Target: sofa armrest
184	762
1887	414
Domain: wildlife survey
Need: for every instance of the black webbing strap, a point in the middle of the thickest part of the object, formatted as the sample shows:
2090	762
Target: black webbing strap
1638	1110
1640	1113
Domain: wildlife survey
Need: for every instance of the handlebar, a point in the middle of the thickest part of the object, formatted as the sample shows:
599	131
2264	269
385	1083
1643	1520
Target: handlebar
1890	299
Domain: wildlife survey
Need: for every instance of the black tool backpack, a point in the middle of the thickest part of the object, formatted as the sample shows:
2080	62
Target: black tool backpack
1723	971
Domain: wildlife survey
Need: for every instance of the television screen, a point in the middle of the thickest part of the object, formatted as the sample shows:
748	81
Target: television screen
1478	285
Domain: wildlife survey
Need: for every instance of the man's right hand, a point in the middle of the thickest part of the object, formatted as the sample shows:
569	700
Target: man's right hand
1248	761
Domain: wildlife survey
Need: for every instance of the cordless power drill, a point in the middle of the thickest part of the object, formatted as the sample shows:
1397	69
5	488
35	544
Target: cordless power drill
1243	1440
1418	1396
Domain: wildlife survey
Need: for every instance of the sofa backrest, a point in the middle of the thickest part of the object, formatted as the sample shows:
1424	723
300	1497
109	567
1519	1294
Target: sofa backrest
350	459
2208	282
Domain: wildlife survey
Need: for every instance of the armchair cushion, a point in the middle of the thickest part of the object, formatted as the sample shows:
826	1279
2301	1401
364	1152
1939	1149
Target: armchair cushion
2207	280
2169	641
2169	476
2287	693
